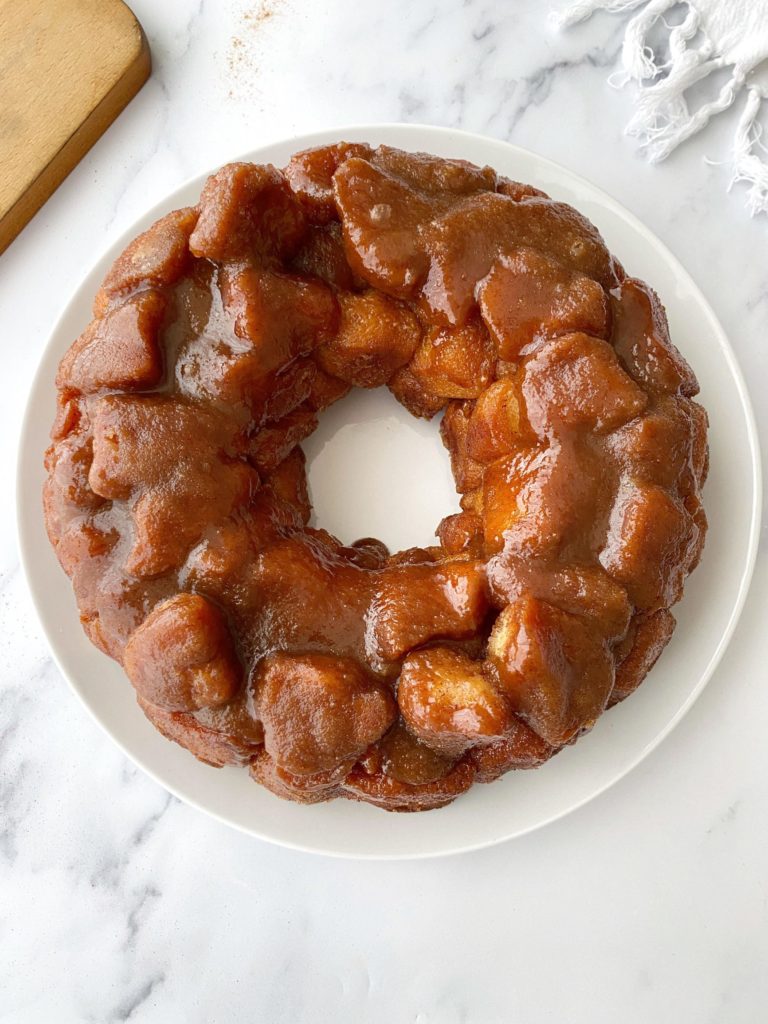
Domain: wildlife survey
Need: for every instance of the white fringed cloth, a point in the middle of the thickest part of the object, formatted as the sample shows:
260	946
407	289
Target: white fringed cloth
714	34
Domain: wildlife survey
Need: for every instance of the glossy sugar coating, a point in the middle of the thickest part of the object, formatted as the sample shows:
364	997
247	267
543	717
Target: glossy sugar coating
177	502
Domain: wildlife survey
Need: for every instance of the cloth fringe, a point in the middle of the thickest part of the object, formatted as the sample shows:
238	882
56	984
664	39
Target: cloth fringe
583	9
748	165
663	118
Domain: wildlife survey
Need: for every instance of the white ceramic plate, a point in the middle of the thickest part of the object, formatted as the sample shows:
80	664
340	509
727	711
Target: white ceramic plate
354	482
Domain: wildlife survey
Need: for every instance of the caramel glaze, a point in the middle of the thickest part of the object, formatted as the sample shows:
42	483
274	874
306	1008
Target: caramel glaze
176	497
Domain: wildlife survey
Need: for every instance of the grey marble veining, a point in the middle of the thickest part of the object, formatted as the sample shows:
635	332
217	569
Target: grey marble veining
118	903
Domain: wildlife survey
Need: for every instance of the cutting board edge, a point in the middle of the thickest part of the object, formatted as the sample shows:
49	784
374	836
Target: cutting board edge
79	142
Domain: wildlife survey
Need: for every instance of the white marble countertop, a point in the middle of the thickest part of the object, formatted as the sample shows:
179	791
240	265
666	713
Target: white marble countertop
119	903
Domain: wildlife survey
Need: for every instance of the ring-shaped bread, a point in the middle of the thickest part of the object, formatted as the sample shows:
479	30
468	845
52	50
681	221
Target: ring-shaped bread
177	502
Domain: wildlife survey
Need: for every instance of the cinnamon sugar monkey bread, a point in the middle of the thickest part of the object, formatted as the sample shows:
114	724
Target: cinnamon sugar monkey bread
177	502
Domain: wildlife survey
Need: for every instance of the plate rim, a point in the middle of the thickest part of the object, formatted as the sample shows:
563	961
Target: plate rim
415	130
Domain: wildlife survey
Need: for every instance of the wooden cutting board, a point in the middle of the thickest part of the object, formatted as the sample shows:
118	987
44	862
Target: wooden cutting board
67	69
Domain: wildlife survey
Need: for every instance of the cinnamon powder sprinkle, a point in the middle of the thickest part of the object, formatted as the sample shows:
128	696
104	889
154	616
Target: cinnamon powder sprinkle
242	66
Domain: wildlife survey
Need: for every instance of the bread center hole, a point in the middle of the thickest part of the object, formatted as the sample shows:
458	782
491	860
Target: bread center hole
376	471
